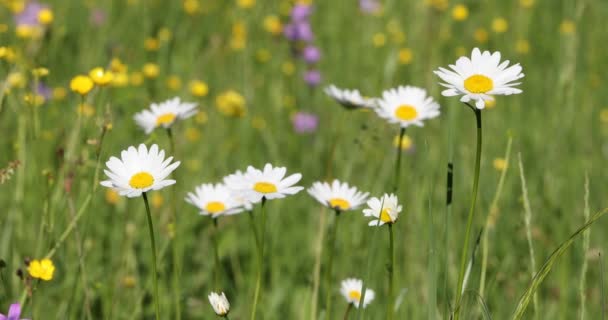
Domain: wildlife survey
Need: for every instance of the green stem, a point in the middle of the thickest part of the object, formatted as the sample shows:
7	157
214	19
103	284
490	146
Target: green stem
216	278
258	281
175	243
350	306
153	243
390	309
328	280
465	247
398	163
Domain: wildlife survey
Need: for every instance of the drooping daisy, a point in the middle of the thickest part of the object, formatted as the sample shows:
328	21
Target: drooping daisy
338	196
219	303
350	99
480	77
406	106
385	209
269	183
164	114
214	200
139	170
351	290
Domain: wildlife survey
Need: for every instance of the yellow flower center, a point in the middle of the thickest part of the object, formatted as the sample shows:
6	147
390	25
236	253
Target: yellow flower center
265	187
141	180
166	118
355	295
385	216
478	83
215	207
406	112
339	203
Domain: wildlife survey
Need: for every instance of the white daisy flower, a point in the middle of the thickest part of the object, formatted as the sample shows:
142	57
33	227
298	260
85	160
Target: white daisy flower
385	209
338	196
164	114
220	304
214	200
139	170
480	77
234	182
351	290
407	106
269	183
350	99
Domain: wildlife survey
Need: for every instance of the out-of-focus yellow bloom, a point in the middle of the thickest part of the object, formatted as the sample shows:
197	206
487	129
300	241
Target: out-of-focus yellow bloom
526	3
100	76
191	7
500	25
273	25
136	78
263	55
499	164
460	12
481	35
34	99
239	36
3	27
406	143
199	88
379	39
567	27
45	16
16	80
112	196
86	110
164	34
405	56
59	93
490	104
81	84
288	68
129	281
245	4
157	200
8	54
174	83
41	269
117	66
604	116
151	44
24	31
439	5
258	123
120	79
40	72
150	70
231	103
522	46
16	6
201	117
193	134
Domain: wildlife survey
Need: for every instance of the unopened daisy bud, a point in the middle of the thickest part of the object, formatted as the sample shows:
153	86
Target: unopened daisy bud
81	84
220	304
101	77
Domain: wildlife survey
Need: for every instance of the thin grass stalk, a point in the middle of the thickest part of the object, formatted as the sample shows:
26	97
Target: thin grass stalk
154	267
175	243
216	271
390	306
398	162
528	222
586	236
465	247
328	279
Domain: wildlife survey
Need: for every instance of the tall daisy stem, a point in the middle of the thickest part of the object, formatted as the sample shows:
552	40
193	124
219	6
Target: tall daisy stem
350	306
216	272
398	163
258	281
153	243
465	248
332	248
390	308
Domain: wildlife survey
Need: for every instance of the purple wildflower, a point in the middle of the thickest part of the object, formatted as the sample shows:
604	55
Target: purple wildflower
300	12
14	313
29	15
304	122
44	91
312	77
311	54
369	6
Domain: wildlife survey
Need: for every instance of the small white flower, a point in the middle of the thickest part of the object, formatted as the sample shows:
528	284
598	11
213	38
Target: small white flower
220	304
214	200
350	99
139	170
407	106
351	290
164	114
338	195
385	209
269	183
234	182
480	77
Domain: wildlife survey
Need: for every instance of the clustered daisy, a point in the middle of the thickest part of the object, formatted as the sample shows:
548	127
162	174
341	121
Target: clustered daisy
406	106
164	114
214	200
338	196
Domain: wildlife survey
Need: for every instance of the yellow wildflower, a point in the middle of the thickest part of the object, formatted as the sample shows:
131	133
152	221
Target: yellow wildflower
45	16
481	35
567	27
273	25
174	83
406	143
81	84
460	12
500	25
198	88
405	56
245	4
41	269
151	44
231	103
100	76
500	164
157	200
150	70
59	93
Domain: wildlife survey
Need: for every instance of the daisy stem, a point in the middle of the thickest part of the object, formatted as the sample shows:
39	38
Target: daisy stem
332	248
175	243
258	281
465	248
350	306
216	278
153	243
398	163
390	304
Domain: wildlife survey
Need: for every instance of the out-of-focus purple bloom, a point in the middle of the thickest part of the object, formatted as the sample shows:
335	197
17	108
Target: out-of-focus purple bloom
369	6
29	15
14	313
300	12
298	31
98	17
312	77
304	122
44	91
311	54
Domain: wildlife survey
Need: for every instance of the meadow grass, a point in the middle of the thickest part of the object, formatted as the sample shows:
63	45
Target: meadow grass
557	126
